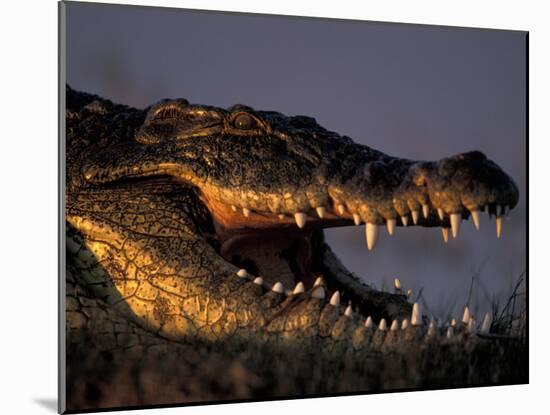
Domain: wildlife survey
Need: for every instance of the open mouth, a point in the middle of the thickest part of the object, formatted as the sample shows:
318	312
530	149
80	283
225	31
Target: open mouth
276	239
291	261
286	252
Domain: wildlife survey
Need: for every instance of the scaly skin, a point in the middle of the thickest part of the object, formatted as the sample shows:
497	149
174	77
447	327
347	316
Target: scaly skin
165	205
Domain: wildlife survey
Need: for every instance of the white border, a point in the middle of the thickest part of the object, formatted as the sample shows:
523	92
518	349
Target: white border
28	170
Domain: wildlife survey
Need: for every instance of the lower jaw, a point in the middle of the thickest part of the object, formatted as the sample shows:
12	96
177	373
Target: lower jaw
293	256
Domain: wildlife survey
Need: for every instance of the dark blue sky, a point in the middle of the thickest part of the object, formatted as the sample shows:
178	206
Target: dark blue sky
419	92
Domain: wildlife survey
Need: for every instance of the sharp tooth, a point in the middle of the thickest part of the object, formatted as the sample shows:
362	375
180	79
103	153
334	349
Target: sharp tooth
409	294
246	212
416	317
445	232
368	322
499	210
466	315
449	332
233	208
390	224
475	218
281	216
299	288
335	299
486	324
371	232
340	209
425	211
405	324
404	220
431	330
318	281
300	218
320	211
318	292
242	273
394	325
499	226
383	326
356	219
258	281
453	322
415	214
397	284
440	213
278	287
455	223
349	311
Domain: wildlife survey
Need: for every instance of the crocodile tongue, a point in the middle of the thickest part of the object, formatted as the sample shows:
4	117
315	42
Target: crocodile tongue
275	255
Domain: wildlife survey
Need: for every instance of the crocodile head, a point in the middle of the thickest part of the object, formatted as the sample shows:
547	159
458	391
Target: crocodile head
208	221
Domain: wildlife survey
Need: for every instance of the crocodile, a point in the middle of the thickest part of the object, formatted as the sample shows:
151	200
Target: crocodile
191	227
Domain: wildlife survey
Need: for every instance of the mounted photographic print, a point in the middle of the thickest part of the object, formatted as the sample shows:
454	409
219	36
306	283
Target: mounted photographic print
259	207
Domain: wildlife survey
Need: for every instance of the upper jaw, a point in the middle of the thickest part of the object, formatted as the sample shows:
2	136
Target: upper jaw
388	191
351	184
393	189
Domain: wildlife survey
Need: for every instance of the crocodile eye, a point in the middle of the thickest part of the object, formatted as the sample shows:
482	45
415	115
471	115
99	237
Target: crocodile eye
244	122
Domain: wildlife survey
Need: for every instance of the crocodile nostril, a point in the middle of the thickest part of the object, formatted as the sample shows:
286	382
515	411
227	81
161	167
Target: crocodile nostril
473	155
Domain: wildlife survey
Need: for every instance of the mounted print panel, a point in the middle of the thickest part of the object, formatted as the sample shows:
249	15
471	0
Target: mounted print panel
265	207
